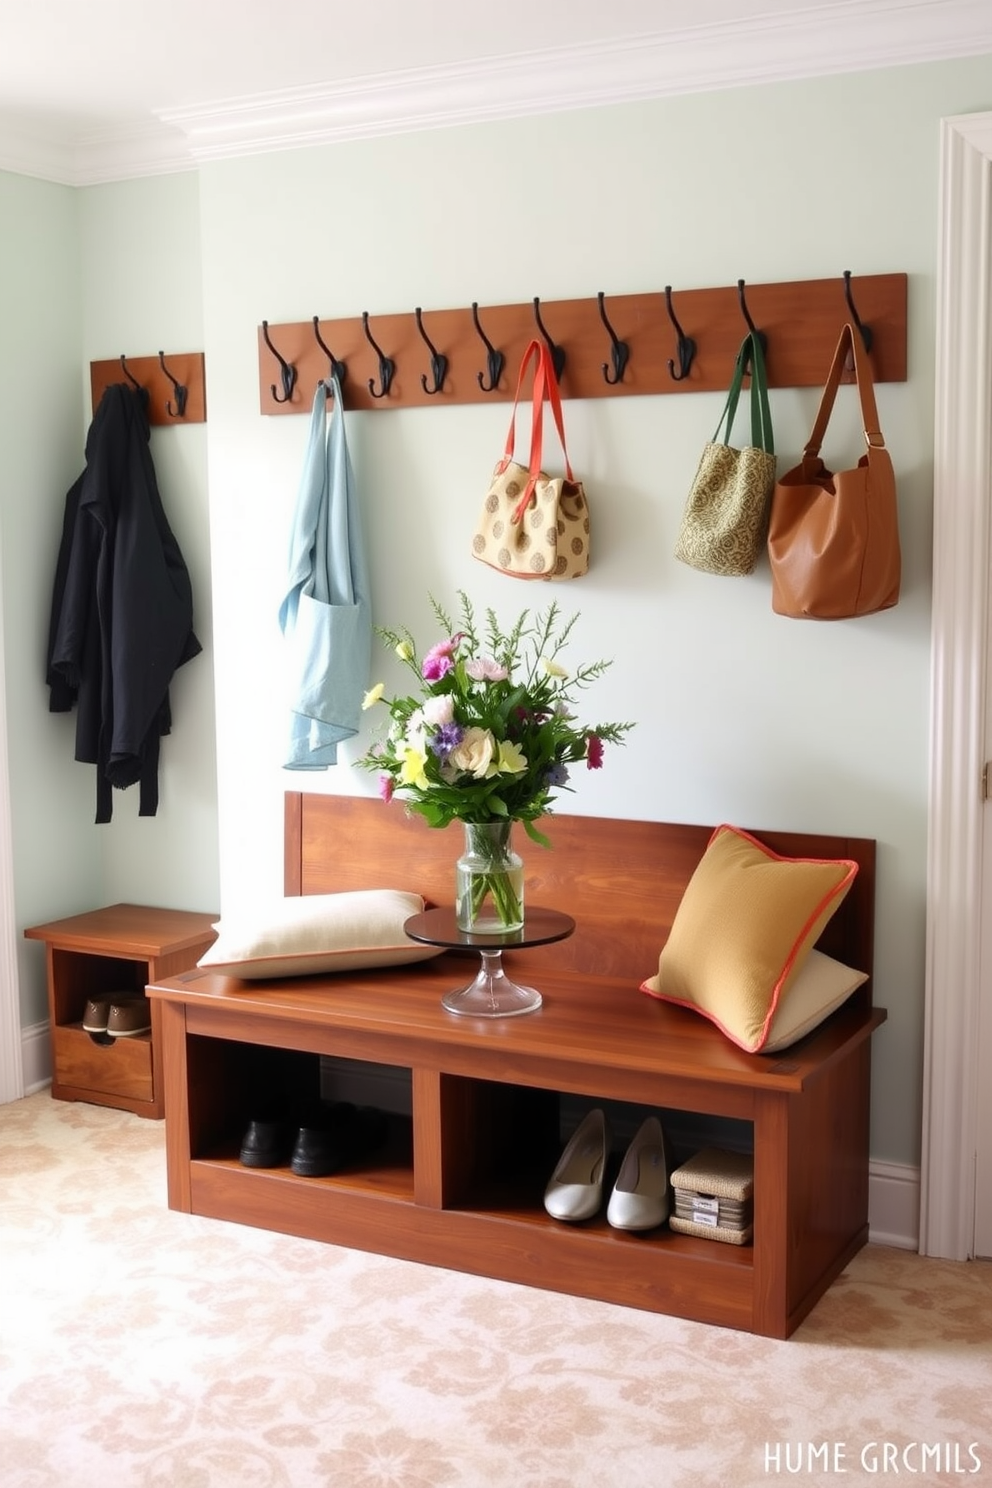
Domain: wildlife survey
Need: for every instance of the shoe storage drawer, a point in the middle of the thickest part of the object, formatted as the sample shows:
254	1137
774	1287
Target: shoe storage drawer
104	953
122	1067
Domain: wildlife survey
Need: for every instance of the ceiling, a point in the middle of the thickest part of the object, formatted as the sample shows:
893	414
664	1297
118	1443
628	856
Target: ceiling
95	90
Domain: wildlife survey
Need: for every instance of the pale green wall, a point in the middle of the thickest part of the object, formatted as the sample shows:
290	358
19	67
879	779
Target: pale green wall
56	861
141	270
744	716
86	275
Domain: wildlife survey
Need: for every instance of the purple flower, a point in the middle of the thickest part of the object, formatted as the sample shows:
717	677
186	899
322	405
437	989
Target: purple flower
557	775
447	738
386	787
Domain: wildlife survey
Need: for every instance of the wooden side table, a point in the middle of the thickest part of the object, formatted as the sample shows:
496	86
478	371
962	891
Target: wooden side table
117	949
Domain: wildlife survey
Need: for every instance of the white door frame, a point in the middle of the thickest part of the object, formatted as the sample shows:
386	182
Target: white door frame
961	553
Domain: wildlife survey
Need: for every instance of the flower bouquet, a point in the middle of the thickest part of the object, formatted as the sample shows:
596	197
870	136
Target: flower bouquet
487	740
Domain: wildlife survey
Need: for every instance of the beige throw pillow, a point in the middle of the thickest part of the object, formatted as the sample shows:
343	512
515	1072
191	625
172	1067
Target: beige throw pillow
317	933
820	987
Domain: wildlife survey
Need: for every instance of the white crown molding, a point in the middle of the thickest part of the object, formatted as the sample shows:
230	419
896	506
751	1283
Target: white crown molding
24	153
829	38
852	35
92	159
146	150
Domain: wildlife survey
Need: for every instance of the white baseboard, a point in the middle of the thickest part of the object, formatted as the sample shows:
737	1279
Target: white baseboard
894	1205
36	1057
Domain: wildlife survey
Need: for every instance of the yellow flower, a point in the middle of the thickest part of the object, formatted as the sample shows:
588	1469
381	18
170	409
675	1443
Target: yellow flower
412	769
373	695
512	760
404	651
552	669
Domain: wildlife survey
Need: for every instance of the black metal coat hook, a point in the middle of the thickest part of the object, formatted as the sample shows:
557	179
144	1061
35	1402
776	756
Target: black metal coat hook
865	330
439	362
762	338
131	379
557	352
619	350
180	392
495	360
386	364
338	369
685	346
287	372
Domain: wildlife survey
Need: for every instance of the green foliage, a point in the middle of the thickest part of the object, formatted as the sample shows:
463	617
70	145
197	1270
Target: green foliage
491	731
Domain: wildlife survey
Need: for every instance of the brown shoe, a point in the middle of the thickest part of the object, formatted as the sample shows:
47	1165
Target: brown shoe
96	1014
128	1019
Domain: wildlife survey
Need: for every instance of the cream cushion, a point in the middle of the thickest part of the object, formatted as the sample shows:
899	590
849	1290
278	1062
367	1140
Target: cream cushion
317	933
745	927
820	987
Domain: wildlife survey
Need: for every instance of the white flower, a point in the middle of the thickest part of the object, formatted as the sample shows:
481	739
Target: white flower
437	711
474	754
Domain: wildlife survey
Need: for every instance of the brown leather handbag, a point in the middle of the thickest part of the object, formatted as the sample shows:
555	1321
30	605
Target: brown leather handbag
833	538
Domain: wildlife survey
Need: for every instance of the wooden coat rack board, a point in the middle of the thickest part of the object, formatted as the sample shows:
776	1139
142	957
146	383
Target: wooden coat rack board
801	321
176	384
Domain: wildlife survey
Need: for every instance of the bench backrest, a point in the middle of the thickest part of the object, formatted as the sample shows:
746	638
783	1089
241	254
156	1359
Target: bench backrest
622	881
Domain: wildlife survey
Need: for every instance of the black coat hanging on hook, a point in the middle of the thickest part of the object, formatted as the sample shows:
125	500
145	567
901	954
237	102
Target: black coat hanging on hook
119	562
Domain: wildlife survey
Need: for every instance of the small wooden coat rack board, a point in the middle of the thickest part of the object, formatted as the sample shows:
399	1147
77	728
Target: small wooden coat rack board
444	349
175	383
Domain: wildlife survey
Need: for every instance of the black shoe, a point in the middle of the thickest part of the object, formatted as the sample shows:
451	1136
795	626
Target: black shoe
322	1142
267	1144
336	1135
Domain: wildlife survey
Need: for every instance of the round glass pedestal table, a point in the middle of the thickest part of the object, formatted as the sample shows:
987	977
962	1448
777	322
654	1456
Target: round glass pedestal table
491	994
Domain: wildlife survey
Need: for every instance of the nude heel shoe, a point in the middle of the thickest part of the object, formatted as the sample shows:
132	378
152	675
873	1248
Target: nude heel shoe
575	1188
640	1198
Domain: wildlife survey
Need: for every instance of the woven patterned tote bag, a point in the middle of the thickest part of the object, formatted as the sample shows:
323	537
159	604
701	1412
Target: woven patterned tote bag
725	522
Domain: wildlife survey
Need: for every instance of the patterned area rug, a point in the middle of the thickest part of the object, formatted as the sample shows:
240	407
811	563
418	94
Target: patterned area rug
140	1348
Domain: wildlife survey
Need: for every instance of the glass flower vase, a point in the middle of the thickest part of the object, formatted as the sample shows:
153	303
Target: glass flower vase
489	880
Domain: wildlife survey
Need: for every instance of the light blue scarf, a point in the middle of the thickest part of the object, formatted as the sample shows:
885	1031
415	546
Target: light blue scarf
326	615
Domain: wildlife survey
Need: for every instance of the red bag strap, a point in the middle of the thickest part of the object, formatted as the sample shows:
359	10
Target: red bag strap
866	391
533	350
550	391
545	388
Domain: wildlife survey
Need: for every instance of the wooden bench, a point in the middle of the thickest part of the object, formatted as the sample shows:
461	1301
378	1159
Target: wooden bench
460	1183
